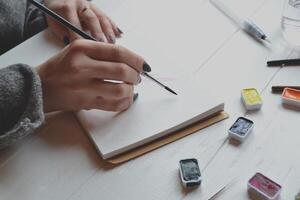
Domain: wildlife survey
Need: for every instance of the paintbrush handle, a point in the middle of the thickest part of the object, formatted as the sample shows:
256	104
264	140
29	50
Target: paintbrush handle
61	20
83	34
279	89
287	62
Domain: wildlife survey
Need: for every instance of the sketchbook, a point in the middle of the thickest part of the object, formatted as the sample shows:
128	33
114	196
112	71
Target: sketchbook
156	113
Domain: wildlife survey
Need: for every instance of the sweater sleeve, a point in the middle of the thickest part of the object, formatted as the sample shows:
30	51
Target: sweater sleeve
21	104
35	21
19	20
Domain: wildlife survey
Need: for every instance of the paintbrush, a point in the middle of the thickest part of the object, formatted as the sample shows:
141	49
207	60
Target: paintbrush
85	35
280	88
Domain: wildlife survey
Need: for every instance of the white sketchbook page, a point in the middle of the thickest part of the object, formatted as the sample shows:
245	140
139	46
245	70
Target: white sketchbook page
156	110
173	57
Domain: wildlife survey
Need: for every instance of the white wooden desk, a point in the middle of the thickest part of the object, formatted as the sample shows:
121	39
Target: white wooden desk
59	162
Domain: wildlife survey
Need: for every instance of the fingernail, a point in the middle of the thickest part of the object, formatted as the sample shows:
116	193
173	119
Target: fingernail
66	40
112	39
146	67
139	79
135	96
119	30
100	39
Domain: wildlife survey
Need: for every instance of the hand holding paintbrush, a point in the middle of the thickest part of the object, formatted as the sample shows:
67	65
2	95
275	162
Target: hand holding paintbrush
85	35
85	16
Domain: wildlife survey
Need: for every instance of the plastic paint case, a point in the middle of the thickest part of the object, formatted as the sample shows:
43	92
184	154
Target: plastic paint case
291	97
263	187
251	99
190	174
241	128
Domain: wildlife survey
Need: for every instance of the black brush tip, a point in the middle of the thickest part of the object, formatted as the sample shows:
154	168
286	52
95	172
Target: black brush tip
170	90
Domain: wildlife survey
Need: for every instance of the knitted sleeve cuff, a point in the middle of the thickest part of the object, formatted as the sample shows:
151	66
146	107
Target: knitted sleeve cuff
21	103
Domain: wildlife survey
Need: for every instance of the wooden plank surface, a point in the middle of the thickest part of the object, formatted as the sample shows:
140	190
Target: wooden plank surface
59	162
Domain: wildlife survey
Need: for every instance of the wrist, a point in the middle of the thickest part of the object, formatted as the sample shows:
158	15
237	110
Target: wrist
40	71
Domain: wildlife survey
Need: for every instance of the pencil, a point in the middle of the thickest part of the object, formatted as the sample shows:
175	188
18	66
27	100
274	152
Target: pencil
83	34
287	62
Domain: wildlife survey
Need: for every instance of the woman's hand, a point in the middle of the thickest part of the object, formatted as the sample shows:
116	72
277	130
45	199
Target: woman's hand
91	75
84	15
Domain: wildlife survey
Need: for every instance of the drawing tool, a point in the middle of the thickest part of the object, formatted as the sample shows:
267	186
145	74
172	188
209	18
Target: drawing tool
220	191
282	63
83	34
280	88
245	24
61	20
159	83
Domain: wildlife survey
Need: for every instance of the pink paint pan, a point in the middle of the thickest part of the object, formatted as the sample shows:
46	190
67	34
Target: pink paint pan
264	187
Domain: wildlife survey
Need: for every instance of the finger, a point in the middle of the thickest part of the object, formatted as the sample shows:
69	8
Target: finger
92	23
73	18
115	53
118	32
108	90
112	71
106	24
112	105
59	31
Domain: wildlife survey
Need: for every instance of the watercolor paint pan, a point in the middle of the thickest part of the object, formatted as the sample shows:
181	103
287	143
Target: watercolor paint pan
263	188
240	129
291	97
190	173
251	99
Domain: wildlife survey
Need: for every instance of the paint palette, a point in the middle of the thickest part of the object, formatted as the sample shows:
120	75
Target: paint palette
241	128
251	99
291	97
263	187
190	172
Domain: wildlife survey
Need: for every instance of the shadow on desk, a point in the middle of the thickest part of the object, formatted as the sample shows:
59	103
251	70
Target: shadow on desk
61	134
62	130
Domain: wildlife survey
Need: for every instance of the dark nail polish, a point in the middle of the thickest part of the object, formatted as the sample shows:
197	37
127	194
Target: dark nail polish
139	79
111	39
135	96
146	67
101	40
66	40
119	30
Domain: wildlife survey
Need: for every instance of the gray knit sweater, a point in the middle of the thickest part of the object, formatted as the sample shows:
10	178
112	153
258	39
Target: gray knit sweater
21	105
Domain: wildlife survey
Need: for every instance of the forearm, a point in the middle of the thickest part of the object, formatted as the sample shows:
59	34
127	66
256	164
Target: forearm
21	104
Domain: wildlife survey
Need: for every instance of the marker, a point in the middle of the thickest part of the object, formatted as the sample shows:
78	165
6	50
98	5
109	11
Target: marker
83	34
245	24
